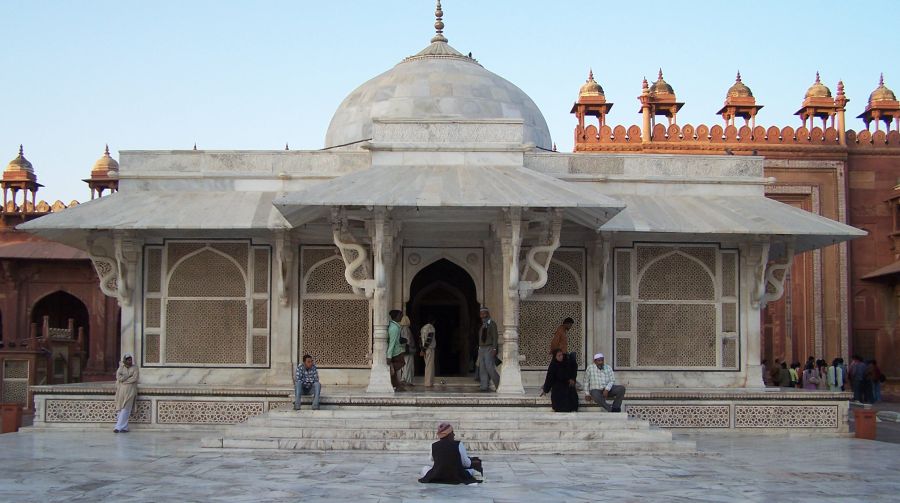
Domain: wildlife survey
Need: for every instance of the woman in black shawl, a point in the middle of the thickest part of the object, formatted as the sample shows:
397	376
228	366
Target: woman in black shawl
560	382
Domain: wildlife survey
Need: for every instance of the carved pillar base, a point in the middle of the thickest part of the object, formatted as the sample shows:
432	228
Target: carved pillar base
510	372
380	375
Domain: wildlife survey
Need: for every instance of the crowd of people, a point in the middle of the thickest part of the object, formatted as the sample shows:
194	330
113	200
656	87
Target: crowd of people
862	377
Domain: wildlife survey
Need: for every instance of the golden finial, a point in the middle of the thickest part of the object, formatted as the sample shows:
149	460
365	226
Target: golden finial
438	24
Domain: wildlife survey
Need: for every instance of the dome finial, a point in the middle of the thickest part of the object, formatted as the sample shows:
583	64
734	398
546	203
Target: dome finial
818	81
738	78
659	77
106	150
590	74
881	80
438	24
21	150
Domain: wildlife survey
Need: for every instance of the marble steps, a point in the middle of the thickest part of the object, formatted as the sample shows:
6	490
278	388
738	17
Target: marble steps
458	423
412	429
367	432
474	447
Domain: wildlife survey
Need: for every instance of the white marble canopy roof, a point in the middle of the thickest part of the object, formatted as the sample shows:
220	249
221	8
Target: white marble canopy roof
450	187
148	210
723	216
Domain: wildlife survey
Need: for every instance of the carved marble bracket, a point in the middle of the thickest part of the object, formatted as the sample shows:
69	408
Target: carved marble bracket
116	270
775	280
284	260
601	256
366	285
757	258
526	288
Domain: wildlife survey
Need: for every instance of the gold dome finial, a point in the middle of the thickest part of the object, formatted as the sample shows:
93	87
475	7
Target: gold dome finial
590	86
882	93
20	163
105	164
661	86
438	24
739	89
818	89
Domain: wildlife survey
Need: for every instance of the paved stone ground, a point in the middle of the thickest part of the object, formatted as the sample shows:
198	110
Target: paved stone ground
154	466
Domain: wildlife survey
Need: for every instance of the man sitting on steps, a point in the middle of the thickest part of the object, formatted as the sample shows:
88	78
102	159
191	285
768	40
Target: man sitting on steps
601	384
306	382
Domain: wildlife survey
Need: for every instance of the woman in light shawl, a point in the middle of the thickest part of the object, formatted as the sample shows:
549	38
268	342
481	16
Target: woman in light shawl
126	391
409	370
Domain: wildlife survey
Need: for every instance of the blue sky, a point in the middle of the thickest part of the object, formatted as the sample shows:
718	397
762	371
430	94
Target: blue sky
253	75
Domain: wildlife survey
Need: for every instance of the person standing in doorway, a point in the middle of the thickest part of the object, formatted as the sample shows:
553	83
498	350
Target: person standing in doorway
126	392
409	367
429	344
487	351
560	338
395	351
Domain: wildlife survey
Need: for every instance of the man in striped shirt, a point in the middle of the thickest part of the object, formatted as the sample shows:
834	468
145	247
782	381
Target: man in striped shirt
306	382
601	385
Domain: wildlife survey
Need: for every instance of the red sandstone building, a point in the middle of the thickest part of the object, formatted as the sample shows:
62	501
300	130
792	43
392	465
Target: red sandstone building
843	299
53	314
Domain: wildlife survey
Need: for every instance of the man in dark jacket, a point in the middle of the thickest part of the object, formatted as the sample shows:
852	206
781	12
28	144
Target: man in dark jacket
452	464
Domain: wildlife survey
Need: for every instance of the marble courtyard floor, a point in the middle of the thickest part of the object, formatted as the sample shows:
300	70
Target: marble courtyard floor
93	466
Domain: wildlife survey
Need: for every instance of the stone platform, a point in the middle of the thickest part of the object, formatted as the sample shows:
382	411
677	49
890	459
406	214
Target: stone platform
411	429
763	410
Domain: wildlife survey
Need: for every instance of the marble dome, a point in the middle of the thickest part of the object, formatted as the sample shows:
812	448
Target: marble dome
437	83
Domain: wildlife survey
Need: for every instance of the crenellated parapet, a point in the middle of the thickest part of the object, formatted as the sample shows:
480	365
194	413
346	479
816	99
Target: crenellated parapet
830	137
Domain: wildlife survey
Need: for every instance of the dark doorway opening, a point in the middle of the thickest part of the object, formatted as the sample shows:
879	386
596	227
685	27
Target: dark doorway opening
446	292
59	307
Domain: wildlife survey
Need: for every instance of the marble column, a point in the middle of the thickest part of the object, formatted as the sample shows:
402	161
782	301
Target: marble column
383	253
510	244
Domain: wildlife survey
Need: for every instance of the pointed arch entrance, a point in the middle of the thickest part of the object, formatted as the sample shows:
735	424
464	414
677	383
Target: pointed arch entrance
447	292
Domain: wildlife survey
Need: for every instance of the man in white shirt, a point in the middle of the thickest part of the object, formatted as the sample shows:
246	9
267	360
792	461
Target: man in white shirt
601	385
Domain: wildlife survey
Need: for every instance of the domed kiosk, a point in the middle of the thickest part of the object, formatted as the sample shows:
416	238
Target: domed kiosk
437	83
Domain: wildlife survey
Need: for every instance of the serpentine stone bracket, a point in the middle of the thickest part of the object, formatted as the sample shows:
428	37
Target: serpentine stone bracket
757	258
776	281
601	256
365	286
526	288
284	258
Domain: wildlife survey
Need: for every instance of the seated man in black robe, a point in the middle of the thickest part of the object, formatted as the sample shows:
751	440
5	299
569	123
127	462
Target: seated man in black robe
452	464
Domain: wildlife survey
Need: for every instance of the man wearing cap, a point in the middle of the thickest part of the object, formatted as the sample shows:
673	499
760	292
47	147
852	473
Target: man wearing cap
601	385
487	351
452	464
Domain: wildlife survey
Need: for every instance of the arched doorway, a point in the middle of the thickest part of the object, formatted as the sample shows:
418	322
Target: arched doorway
68	356
445	291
